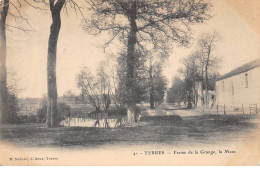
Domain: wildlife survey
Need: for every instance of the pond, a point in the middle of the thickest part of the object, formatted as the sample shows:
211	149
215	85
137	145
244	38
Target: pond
91	122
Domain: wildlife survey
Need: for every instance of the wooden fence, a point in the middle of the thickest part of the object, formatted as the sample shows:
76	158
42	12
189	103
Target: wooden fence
243	109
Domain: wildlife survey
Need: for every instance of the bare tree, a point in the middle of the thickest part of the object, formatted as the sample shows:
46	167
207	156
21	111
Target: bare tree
13	9
142	23
90	89
208	58
96	90
3	73
202	65
151	77
13	82
55	8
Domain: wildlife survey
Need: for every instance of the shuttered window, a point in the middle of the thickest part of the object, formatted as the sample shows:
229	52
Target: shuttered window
246	80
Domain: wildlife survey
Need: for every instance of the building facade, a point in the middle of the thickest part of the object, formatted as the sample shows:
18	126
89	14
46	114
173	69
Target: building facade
29	106
240	87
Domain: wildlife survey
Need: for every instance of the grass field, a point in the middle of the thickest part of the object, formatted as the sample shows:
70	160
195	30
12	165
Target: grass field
174	130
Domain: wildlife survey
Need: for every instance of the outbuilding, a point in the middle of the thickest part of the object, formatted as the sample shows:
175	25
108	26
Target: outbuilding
240	88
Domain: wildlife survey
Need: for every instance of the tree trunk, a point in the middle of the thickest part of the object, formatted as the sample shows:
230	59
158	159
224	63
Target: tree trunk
52	112
189	98
189	90
152	106
201	88
130	115
206	78
195	94
130	88
152	86
3	71
206	88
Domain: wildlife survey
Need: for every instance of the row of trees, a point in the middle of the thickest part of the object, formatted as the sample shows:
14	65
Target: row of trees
177	92
200	68
136	23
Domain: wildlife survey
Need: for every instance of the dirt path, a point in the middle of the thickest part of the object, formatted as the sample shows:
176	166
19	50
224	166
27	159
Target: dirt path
185	112
175	111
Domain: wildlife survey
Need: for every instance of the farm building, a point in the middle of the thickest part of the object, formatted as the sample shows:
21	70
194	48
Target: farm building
240	88
29	106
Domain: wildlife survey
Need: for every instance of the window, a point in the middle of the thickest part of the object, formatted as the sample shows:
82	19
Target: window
246	80
223	86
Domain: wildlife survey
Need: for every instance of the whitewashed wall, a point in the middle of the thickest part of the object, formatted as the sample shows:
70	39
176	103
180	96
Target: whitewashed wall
240	94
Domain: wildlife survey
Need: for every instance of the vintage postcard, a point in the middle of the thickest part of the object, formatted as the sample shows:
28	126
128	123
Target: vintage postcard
129	82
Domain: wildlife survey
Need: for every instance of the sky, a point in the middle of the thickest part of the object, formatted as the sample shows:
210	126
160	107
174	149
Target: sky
27	52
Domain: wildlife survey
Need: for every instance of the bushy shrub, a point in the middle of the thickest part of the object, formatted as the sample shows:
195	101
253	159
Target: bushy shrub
63	110
117	111
12	108
27	119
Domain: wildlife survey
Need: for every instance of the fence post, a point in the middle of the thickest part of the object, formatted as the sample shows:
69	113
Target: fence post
217	109
250	108
256	109
224	109
243	109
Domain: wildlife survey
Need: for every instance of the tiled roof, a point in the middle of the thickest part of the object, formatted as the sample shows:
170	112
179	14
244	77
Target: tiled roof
244	68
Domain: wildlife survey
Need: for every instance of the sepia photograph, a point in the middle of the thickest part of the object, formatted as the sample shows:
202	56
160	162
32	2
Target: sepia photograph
129	82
